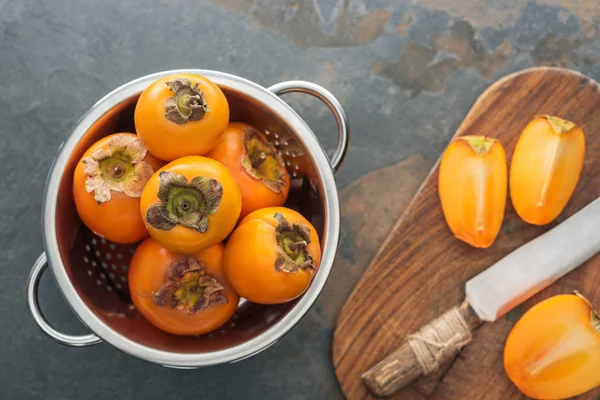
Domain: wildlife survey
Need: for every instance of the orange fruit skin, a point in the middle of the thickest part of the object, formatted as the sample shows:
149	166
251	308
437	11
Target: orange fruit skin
117	220
473	191
553	351
168	140
545	170
255	194
250	255
147	270
186	240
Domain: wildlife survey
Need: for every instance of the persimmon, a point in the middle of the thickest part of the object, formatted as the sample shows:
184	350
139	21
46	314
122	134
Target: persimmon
545	168
107	186
191	204
472	186
272	256
256	166
180	115
181	294
553	351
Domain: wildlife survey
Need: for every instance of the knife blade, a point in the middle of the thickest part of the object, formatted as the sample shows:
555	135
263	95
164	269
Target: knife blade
535	265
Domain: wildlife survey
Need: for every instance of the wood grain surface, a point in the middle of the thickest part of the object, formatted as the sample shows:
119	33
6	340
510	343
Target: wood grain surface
421	268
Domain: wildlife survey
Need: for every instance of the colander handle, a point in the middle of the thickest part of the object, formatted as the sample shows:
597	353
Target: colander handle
334	105
34	307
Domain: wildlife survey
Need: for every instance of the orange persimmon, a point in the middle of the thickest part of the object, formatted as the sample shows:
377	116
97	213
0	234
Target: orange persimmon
553	351
256	166
545	168
107	186
181	115
272	255
191	204
472	188
179	294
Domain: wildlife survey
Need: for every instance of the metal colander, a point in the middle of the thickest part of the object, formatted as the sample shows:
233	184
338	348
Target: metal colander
91	272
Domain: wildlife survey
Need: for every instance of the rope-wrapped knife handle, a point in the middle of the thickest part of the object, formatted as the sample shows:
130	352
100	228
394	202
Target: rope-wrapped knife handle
423	352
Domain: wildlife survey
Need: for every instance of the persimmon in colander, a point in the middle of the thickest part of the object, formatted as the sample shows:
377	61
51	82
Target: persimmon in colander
181	115
256	166
107	186
181	294
272	256
191	204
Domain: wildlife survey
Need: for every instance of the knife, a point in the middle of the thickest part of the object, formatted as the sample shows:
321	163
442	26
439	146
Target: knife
489	295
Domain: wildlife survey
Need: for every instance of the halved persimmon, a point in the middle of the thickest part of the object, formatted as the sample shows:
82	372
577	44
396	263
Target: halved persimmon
107	186
545	168
272	256
472	186
181	294
191	204
256	166
181	115
553	351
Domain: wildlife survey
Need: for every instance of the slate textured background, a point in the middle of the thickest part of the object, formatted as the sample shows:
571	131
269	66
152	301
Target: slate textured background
406	72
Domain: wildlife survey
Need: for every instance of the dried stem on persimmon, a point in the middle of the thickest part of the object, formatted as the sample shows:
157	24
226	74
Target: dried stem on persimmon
188	288
184	203
262	161
119	168
292	240
187	103
595	316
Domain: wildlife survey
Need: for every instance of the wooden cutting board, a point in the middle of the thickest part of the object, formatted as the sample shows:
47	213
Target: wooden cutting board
421	268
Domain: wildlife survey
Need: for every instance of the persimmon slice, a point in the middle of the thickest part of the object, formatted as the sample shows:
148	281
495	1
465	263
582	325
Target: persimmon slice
472	188
545	168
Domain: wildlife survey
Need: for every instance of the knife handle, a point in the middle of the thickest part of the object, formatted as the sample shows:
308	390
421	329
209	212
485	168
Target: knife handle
423	352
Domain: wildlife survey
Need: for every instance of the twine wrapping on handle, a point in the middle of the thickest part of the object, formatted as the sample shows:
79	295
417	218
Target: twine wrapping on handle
423	352
443	336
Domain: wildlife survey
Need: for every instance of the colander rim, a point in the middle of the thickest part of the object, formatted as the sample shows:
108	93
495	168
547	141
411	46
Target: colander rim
331	226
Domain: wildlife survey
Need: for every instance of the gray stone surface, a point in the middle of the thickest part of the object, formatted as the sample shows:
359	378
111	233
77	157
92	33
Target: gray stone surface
406	72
